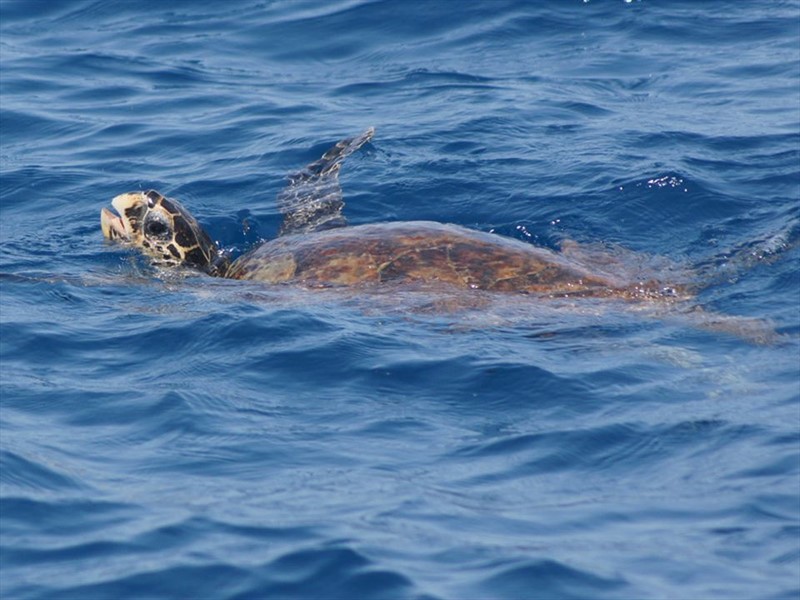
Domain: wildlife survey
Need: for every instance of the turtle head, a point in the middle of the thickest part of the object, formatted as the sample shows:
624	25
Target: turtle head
163	230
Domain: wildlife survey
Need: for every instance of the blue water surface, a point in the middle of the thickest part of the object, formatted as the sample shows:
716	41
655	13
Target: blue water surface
168	436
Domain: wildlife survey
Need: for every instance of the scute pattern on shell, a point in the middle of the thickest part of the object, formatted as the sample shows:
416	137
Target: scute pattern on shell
428	252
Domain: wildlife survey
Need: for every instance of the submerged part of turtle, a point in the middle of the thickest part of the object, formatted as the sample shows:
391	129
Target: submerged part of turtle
316	248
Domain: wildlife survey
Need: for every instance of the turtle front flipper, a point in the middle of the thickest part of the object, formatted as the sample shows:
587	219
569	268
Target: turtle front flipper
313	199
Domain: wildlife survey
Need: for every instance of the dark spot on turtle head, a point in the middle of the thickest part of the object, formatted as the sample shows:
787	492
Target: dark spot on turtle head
145	243
196	258
172	207
184	233
134	213
174	251
153	197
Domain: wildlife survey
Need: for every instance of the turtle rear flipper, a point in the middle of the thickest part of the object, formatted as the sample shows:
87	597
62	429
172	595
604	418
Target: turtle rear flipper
313	199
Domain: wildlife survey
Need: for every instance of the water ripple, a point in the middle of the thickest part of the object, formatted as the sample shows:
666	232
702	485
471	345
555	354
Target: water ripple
179	436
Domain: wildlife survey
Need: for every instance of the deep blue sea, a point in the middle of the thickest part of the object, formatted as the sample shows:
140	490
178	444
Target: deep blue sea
167	436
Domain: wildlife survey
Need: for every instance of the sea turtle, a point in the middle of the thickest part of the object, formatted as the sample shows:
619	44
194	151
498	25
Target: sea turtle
316	248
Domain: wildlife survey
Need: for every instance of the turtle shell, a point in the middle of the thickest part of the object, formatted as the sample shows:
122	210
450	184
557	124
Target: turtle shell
426	252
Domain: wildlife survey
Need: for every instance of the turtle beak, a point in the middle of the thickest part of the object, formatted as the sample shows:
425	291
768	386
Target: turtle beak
113	225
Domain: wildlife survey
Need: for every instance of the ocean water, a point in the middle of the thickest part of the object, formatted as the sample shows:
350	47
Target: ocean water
166	436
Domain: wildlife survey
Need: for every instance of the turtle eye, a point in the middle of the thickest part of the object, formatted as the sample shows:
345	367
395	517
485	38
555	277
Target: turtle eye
156	228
